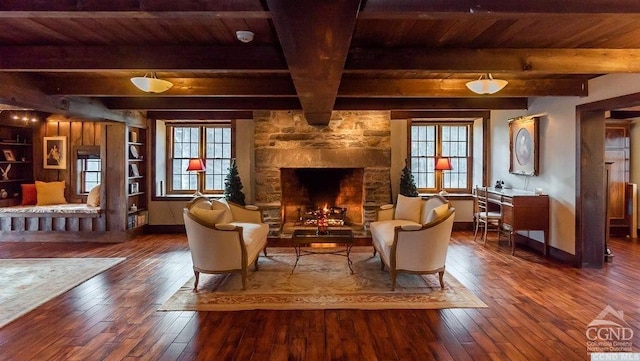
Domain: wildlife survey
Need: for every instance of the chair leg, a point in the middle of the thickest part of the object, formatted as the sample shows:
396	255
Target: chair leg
255	264
195	283
265	251
475	234
484	234
441	277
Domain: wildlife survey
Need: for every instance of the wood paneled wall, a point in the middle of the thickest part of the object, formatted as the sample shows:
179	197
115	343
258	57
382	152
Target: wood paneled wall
79	132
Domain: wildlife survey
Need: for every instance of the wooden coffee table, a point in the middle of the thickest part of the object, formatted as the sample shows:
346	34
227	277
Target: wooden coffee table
305	237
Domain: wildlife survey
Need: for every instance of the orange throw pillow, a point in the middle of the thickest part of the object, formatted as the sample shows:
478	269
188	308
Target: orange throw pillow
29	194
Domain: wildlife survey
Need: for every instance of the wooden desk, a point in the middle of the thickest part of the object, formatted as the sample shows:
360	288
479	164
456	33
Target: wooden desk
521	211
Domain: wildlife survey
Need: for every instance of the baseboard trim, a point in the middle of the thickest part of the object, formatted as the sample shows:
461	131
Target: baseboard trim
554	253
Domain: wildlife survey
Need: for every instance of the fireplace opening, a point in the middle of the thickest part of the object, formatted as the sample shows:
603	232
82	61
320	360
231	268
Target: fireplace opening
336	194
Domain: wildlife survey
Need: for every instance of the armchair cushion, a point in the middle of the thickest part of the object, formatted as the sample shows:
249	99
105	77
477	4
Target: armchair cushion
383	231
222	205
253	234
209	217
437	212
408	208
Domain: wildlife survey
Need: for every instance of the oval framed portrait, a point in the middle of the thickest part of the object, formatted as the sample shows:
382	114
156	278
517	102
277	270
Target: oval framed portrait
523	145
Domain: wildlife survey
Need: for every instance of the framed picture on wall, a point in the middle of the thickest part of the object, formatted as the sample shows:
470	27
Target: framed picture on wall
523	146
54	152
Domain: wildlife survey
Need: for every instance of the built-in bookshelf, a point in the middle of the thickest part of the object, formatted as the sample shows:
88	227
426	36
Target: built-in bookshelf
137	215
16	160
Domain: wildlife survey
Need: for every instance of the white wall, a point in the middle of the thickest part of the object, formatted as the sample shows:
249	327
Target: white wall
557	175
398	153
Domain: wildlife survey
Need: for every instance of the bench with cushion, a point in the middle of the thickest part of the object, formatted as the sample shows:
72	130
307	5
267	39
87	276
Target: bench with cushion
45	216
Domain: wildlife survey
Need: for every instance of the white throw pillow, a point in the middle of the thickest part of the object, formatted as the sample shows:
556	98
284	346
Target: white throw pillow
209	217
93	199
408	208
221	204
438	212
428	206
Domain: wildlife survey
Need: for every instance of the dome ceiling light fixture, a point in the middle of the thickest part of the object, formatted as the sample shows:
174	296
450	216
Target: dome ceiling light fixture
486	84
245	36
151	84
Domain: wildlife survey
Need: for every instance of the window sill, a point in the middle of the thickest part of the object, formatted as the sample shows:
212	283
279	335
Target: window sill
181	197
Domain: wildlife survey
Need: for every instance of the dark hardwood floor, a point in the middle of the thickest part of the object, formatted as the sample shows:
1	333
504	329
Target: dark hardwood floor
538	309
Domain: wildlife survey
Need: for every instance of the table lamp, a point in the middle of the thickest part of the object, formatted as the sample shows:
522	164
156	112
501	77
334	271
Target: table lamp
442	164
196	165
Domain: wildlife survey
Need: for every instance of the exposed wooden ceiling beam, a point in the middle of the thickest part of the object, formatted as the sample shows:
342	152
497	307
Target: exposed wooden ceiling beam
199	115
132	14
457	88
20	91
142	58
500	6
100	87
430	103
155	8
201	103
567	61
441	114
91	6
315	37
625	114
265	87
153	103
269	59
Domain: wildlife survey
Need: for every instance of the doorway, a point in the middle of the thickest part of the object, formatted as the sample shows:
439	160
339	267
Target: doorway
590	177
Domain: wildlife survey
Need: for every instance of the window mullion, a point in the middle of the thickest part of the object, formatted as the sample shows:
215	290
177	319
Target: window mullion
202	154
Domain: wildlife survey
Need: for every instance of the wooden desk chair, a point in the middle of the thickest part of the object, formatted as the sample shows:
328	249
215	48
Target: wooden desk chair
483	217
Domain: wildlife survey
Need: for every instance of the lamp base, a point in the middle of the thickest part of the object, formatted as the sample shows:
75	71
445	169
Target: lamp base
198	194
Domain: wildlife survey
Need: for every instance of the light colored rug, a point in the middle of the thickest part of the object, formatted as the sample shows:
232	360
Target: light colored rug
320	282
27	283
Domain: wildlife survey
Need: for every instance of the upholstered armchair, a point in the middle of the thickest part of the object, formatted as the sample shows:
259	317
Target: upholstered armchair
224	237
412	247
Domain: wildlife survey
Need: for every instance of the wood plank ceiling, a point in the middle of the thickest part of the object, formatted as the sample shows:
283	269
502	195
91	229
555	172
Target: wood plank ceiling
76	56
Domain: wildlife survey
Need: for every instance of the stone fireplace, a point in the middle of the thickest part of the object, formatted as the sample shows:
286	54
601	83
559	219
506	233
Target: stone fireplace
353	145
307	190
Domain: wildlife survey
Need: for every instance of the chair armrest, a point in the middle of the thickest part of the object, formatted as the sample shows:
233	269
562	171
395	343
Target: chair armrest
246	214
385	212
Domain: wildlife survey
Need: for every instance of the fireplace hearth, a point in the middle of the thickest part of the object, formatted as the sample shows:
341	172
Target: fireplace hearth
333	194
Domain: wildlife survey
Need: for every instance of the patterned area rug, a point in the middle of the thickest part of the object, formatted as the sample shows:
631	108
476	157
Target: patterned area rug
320	282
27	283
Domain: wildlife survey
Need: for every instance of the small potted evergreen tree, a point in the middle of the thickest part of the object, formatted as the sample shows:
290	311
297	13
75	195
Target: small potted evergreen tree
233	185
407	183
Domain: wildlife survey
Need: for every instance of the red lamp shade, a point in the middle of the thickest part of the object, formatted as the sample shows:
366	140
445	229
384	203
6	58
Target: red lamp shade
196	165
443	163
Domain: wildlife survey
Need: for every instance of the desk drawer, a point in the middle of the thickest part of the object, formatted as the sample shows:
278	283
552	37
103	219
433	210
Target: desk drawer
507	214
495	197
